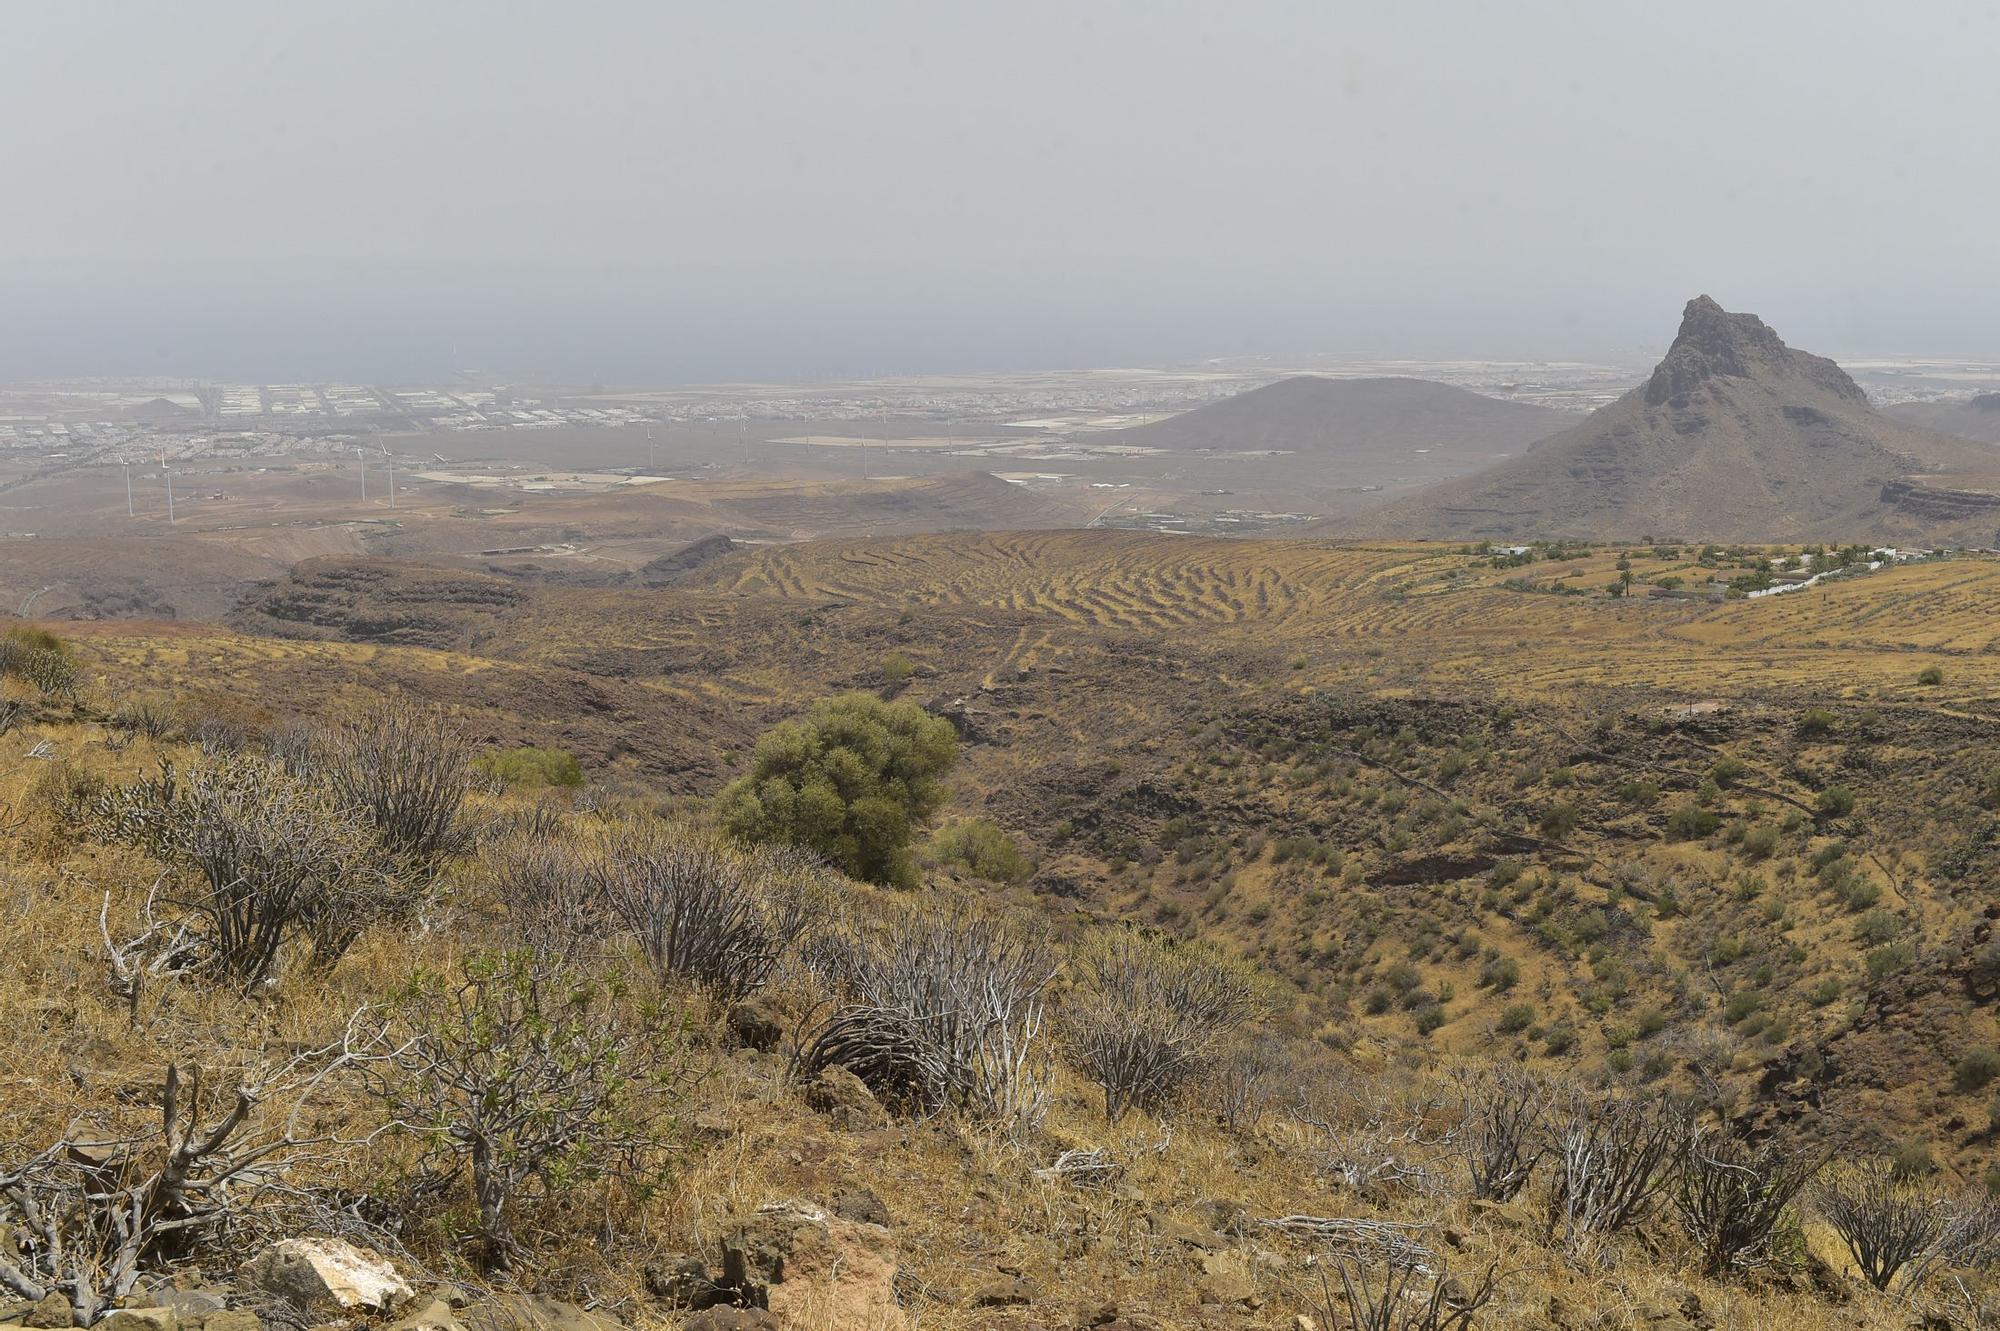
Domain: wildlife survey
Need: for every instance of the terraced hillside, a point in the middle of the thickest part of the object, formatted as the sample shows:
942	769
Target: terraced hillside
1570	807
1549	801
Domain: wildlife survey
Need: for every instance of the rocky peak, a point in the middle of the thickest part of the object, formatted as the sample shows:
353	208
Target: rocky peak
1715	343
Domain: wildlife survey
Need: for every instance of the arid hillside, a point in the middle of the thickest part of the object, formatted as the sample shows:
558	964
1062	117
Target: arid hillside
1588	825
1154	715
1356	421
92	562
1735	437
1976	417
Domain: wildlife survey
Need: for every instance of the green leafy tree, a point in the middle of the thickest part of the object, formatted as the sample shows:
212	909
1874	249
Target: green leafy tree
853	781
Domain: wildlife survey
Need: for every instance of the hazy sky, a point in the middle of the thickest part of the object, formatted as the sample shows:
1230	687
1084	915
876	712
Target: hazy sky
759	188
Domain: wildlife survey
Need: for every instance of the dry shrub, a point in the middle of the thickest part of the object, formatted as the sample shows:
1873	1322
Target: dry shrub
1407	1297
1503	1131
1248	1077
1371	1138
1893	1226
264	862
1148	1014
1732	1195
939	1006
1613	1155
117	1199
543	883
703	910
407	768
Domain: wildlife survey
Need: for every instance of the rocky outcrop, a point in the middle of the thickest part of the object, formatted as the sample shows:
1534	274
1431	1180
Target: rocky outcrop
1714	343
809	1267
1734	437
325	1278
1935	502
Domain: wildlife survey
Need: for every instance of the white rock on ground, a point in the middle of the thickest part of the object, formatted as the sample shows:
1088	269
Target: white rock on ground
326	1276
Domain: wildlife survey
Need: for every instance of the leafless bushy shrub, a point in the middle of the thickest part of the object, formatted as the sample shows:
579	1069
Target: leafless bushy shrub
406	768
1971	1239
523	1073
266	861
1613	1155
1247	1077
551	898
145	716
704	910
1366	1141
887	1048
160	950
1408	1297
1503	1134
941	1006
92	1214
1732	1196
1893	1226
1149	1014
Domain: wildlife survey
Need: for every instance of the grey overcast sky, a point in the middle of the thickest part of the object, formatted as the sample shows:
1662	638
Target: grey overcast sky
672	192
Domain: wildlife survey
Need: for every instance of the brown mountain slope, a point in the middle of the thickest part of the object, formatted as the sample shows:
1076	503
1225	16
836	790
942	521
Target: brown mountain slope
884	507
1968	418
1735	437
1357	419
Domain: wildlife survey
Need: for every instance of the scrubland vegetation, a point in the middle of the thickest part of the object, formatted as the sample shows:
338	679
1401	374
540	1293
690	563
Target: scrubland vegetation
1376	1006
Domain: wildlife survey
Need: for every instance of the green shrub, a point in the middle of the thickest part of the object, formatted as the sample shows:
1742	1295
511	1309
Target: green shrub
1886	960
1815	721
1834	802
528	767
1761	841
1727	772
1861	893
853	780
1691	822
32	638
1429	1018
982	849
1742	1004
1913	1160
1826	991
1931	675
38	657
1878	927
1515	1018
1501	973
1977	1069
1559	820
897	669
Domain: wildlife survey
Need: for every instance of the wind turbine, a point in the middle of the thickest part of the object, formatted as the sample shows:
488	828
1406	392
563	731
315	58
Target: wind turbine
170	494
128	488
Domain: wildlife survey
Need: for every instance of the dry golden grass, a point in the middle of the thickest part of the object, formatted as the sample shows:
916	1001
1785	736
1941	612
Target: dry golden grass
1121	636
966	1202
